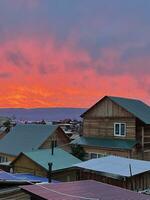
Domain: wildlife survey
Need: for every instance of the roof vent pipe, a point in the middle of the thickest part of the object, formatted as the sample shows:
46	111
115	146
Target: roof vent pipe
52	146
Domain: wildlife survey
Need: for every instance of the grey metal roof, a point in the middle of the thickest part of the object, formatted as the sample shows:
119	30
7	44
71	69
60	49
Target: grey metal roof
25	138
116	165
138	108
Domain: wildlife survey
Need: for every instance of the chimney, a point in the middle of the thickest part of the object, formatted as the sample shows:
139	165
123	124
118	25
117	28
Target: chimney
50	172
52	147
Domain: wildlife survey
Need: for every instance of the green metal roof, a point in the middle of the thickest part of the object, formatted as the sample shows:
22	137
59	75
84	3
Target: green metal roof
138	108
25	137
105	142
60	159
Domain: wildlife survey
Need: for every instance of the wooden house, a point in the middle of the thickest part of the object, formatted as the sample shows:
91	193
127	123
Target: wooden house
116	126
119	171
37	163
29	137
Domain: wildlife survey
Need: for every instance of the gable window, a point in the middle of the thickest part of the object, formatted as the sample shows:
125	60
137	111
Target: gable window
119	129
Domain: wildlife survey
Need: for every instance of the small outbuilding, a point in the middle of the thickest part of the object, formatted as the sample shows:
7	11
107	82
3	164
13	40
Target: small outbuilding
37	163
123	172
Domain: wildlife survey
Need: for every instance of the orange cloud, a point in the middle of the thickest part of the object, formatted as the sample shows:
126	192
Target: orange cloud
37	73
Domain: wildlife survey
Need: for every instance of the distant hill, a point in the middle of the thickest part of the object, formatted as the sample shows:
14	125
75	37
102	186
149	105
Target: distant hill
42	113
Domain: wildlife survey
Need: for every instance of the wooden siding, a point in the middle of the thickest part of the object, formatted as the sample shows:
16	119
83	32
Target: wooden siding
108	151
13	194
25	165
107	108
99	121
58	136
138	182
145	141
65	175
104	127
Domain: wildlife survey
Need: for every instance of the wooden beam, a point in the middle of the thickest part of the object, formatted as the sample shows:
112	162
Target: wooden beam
142	142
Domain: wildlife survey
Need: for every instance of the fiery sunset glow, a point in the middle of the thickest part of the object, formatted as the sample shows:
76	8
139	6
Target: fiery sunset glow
70	53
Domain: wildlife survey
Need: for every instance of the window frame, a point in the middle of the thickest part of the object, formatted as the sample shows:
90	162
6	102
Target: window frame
98	155
120	123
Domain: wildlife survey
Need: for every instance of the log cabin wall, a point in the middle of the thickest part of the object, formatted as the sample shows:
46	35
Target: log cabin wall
108	151
138	182
146	138
25	165
61	140
99	121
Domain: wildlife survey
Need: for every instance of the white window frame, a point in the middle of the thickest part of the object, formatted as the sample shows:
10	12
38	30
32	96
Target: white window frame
119	123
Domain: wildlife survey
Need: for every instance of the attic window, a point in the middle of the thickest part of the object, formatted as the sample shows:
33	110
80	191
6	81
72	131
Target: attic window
119	129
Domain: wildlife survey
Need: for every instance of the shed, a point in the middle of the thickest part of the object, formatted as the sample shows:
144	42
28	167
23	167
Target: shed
120	171
36	162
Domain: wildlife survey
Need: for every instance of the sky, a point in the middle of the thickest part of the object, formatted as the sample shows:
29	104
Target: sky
71	53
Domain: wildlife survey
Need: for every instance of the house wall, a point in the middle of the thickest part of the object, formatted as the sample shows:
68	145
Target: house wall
99	121
139	182
14	194
6	157
24	165
65	175
104	127
103	151
146	138
60	137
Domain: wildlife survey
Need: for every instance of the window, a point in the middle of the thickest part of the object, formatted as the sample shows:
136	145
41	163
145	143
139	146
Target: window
97	155
119	129
93	155
3	159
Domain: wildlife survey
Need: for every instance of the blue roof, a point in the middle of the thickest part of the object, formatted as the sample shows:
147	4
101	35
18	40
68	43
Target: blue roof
22	177
25	137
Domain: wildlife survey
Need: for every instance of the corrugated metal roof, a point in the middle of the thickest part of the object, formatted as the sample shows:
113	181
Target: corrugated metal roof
25	138
77	190
105	142
116	165
138	108
60	159
21	177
